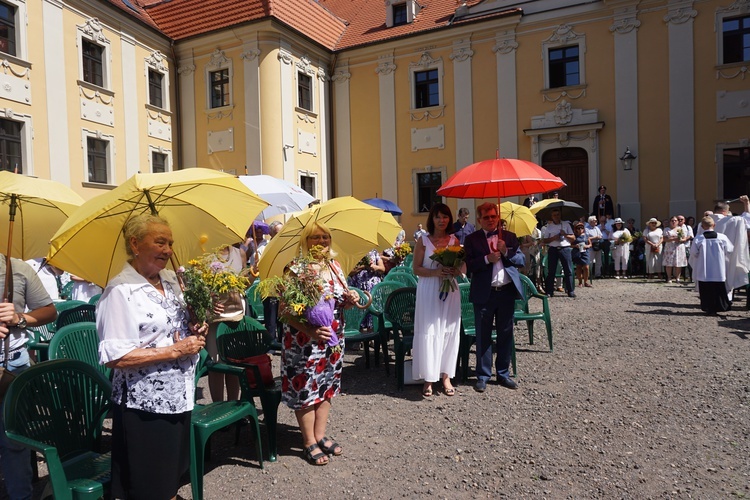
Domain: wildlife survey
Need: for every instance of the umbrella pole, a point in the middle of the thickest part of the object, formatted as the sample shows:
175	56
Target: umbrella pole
8	270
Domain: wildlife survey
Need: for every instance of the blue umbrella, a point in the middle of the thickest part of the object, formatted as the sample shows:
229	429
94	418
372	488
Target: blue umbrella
384	205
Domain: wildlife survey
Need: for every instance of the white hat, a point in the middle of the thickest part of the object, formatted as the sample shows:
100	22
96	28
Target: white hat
653	219
618	221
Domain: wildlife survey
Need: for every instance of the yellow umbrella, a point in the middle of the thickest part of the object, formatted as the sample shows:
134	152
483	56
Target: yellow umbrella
37	208
354	229
388	229
519	218
204	208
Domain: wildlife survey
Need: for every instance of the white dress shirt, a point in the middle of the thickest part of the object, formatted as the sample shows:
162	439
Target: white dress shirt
499	276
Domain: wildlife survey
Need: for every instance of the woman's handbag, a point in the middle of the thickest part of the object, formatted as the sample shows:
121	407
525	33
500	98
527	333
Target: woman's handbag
263	362
596	245
234	307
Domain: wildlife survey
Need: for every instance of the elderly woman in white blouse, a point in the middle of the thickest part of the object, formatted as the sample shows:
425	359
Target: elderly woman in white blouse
147	339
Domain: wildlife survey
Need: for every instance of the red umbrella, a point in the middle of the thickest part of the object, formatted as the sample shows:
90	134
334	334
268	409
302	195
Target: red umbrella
500	178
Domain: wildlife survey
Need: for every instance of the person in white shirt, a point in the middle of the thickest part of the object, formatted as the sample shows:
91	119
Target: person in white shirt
419	233
620	240
688	231
594	234
558	236
708	257
602	265
50	276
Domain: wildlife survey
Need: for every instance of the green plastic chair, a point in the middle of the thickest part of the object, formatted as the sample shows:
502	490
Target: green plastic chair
242	340
67	290
57	408
522	312
399	310
78	341
469	334
352	334
254	302
93	300
41	335
380	293
78	314
209	418
406	280
408	260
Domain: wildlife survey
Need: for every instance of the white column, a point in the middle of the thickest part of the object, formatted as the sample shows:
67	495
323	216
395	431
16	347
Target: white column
55	78
287	111
464	116
679	21
388	156
188	139
131	68
325	123
343	130
507	110
625	31
251	72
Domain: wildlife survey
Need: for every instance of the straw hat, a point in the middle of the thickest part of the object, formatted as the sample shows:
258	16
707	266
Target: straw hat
653	219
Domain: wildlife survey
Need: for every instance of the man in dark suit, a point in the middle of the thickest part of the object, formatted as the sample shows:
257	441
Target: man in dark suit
603	204
493	259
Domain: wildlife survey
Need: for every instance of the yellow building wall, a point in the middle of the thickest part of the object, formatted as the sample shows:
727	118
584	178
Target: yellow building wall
365	144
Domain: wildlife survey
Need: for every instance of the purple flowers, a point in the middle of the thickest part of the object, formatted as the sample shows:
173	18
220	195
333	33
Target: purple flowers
322	315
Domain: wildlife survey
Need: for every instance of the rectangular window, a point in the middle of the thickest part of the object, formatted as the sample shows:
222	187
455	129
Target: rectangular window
11	158
7	28
736	172
564	68
307	183
220	88
399	14
93	64
158	162
427	186
736	39
304	91
155	88
97	160
426	89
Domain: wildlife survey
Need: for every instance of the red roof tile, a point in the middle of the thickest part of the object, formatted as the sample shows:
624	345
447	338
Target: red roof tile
133	8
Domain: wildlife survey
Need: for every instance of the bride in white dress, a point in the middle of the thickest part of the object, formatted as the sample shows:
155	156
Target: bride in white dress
437	322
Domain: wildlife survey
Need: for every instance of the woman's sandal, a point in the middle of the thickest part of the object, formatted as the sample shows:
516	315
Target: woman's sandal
427	392
314	459
332	448
449	391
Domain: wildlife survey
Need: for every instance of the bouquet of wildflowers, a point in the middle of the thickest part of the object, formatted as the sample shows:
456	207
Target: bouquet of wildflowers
451	256
625	238
301	294
680	234
401	251
206	279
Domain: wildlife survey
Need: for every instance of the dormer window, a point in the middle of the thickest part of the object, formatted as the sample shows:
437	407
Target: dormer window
400	12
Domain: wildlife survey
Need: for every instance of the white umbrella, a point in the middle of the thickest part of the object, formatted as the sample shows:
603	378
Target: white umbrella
284	197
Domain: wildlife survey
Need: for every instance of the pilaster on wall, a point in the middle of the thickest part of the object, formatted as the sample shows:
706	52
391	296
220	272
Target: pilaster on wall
286	67
507	109
679	21
388	154
625	31
251	71
133	164
464	120
188	137
343	131
325	124
57	110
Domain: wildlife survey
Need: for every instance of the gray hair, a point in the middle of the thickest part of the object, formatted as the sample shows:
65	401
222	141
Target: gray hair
138	227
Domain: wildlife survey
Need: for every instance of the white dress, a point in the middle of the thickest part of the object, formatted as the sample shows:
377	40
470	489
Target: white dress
437	324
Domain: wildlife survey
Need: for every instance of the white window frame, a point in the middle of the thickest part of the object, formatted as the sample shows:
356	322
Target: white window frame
98	134
304	67
313	175
218	62
158	149
428	169
425	63
21	27
565	36
412	9
733	10
93	31
26	136
158	62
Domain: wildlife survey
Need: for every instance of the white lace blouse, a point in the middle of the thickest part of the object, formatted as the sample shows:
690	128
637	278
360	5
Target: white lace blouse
132	314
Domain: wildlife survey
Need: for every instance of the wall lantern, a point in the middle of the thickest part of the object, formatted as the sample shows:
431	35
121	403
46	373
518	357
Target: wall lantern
627	159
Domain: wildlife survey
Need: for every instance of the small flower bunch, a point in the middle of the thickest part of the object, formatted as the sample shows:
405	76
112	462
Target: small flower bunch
401	251
625	238
301	294
450	256
637	235
205	279
680	234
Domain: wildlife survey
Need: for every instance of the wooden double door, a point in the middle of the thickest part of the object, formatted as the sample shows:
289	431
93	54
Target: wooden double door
572	166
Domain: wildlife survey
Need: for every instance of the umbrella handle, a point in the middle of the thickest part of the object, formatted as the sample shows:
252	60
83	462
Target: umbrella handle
369	301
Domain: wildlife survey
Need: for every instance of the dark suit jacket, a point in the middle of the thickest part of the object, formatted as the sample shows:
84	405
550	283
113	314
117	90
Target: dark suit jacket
476	247
609	207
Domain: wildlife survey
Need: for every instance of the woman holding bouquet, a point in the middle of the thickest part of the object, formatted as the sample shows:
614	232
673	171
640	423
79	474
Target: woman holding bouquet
674	251
620	238
147	339
437	317
311	355
652	235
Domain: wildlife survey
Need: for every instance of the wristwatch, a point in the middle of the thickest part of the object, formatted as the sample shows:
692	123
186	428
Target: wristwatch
21	322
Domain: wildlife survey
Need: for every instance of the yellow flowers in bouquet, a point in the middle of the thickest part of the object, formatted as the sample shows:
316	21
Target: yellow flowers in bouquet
625	238
401	251
450	256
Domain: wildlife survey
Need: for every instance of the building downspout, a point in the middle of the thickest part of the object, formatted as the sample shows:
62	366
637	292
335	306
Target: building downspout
177	130
331	143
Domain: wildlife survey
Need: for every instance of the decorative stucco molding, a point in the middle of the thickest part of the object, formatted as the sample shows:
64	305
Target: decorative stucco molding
680	16
304	66
741	72
8	67
505	46
94	31
322	76
624	26
95	96
461	51
341	76
547	96
250	54
738	7
563	34
158	61
417	116
186	69
385	68
425	61
218	59
285	57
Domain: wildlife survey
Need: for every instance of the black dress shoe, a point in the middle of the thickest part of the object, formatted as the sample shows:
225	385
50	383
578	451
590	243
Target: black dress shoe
572	295
550	295
480	386
507	382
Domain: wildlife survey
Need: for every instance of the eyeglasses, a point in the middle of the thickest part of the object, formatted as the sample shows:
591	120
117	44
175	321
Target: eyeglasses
672	220
319	237
489	217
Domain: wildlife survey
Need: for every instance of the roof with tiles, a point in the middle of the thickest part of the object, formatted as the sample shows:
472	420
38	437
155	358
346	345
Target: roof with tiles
334	24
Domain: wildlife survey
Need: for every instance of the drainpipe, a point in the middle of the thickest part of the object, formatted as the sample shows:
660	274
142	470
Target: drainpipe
331	151
177	124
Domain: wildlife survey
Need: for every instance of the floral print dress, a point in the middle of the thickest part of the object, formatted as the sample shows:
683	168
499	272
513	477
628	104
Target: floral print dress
311	369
